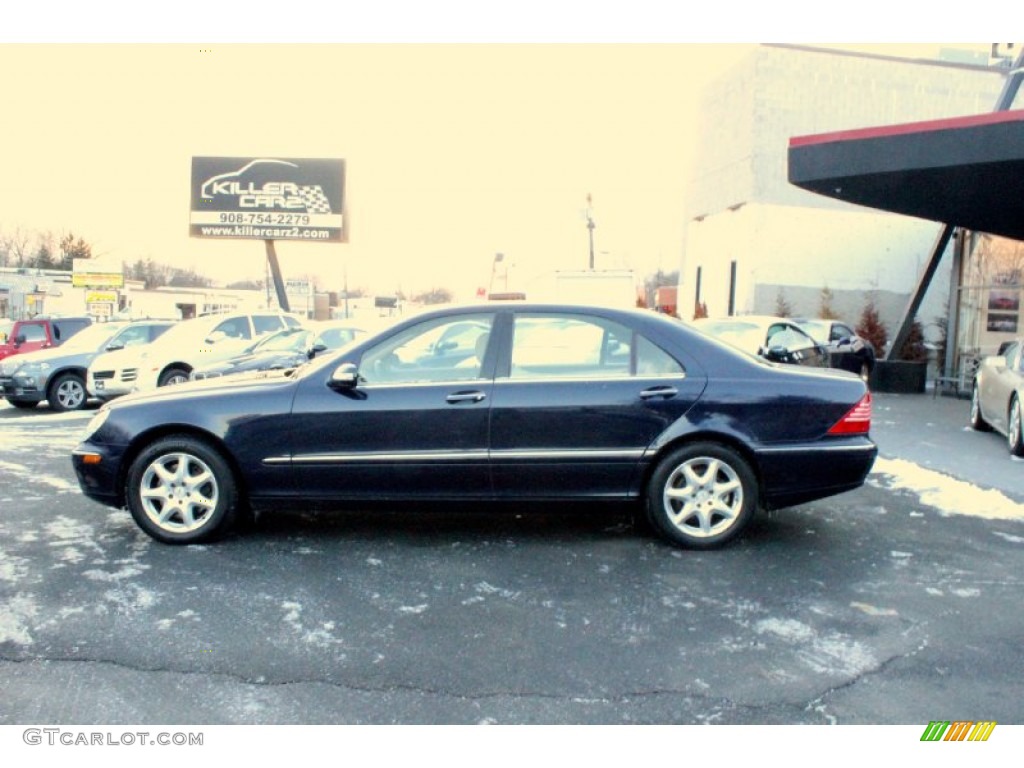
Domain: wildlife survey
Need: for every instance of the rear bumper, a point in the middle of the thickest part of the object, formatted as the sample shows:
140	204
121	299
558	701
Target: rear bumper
801	473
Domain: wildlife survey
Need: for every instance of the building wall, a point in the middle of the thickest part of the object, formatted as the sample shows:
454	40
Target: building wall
853	251
742	207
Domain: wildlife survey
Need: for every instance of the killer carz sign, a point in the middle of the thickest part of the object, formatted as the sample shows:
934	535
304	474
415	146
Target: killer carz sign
268	198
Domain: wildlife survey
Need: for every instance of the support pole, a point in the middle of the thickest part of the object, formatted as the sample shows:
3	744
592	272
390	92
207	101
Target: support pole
1003	103
275	270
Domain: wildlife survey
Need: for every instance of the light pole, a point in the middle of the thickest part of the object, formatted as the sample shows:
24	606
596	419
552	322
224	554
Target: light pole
590	228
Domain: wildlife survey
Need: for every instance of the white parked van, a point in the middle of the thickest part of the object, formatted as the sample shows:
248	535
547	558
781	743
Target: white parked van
171	358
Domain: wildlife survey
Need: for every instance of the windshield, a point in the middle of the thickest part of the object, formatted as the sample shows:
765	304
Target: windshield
288	340
92	337
746	336
818	330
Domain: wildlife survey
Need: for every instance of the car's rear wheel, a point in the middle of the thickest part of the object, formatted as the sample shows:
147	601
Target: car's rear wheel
1015	433
173	376
67	393
701	495
182	491
977	420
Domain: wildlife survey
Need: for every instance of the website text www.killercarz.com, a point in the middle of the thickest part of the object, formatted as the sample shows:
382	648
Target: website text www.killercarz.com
268	233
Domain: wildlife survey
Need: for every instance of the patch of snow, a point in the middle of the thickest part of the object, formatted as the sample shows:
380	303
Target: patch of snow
948	494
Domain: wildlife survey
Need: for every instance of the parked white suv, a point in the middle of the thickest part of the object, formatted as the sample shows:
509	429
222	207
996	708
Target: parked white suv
171	358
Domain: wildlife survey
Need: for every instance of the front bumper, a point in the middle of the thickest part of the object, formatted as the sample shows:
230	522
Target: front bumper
23	389
97	468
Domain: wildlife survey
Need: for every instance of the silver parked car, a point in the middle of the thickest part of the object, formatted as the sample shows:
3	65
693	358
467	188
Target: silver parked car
997	398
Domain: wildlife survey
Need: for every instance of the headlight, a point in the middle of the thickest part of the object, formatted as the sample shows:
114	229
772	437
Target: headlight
97	421
33	369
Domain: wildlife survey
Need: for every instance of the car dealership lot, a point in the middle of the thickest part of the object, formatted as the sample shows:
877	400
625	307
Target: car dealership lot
876	606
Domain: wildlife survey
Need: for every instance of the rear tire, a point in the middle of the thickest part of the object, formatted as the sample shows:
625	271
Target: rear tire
701	495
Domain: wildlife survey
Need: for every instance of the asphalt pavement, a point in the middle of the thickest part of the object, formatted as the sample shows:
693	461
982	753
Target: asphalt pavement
933	432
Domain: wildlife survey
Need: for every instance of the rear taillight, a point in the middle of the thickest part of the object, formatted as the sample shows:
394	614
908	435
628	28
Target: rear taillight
857	420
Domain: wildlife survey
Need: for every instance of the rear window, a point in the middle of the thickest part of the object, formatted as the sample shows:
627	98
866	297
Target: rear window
65	329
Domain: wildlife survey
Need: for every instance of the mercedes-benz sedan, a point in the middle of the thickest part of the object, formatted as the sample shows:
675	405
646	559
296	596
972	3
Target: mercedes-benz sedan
548	403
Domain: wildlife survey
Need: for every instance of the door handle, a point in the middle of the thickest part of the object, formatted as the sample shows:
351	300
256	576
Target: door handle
466	397
665	392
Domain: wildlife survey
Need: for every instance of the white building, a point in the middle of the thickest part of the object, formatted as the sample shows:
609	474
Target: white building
753	239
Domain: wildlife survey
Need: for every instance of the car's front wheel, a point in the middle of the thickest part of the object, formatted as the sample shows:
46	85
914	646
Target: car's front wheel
67	393
977	420
1015	433
701	495
182	491
173	376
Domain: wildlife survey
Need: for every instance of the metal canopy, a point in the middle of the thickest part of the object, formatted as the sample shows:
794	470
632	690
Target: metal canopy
967	172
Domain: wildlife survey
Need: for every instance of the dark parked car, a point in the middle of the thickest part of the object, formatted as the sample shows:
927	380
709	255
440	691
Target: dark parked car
997	398
773	338
285	349
846	348
555	403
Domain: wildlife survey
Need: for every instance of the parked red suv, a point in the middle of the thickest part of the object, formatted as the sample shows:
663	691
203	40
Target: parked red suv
40	333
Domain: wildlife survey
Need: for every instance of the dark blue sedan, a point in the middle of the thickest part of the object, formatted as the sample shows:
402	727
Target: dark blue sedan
542	403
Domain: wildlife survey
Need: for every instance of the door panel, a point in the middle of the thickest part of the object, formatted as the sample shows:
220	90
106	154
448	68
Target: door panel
582	401
417	423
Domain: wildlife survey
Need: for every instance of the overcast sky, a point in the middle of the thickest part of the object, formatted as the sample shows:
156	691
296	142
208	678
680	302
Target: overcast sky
453	152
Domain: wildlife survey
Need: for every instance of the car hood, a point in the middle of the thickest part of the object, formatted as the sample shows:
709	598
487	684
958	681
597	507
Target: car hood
242	383
118	358
52	354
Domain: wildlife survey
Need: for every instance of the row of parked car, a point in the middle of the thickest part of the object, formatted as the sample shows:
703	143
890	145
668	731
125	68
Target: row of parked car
106	360
815	342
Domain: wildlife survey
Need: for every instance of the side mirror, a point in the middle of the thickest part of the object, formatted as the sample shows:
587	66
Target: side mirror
776	354
345	376
115	346
19	339
316	350
216	336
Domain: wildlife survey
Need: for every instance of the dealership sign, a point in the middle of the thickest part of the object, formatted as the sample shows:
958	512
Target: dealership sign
267	198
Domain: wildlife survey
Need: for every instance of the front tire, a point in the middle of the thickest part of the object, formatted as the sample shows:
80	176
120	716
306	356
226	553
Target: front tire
67	393
701	495
978	422
182	491
1015	432
173	376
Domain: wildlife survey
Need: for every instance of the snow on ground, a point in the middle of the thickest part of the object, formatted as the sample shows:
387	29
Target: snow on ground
947	494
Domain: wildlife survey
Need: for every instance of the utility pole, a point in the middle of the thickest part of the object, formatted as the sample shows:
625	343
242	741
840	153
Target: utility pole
590	228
